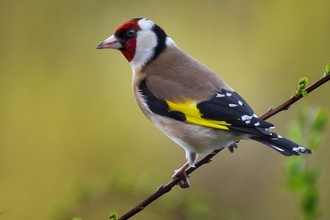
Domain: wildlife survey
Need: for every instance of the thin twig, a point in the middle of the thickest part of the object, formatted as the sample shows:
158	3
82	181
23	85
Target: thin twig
286	105
165	189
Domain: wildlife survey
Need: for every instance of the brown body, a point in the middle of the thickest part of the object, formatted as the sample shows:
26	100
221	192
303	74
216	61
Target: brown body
173	62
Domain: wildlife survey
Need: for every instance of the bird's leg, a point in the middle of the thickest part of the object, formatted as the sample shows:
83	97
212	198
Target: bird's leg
182	176
181	173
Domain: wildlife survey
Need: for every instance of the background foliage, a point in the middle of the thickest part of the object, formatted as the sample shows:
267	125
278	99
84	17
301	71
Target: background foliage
74	143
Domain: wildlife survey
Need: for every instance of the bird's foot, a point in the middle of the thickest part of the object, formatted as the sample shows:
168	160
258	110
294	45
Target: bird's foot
182	176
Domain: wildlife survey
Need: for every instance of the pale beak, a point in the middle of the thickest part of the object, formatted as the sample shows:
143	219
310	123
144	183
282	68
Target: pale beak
110	43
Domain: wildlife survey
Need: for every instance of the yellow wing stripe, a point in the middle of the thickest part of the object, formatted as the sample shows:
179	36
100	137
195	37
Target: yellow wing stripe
193	115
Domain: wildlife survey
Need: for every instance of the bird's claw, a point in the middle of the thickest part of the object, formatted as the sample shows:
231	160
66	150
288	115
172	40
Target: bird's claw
182	176
183	179
184	183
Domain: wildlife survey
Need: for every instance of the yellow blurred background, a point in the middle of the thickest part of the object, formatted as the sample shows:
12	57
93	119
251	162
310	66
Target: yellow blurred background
73	143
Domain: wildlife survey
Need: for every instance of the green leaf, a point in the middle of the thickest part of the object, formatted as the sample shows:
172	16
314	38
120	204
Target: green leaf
304	93
113	216
327	70
301	87
303	82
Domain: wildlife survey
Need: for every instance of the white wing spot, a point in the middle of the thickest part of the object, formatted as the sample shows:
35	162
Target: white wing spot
240	103
296	149
219	95
257	124
277	148
228	94
232	105
299	149
246	117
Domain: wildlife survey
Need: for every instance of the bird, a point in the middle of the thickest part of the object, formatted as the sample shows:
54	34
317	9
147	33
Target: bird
185	99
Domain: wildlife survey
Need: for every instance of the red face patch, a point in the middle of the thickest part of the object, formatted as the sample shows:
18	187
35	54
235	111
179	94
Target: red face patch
129	50
127	25
129	43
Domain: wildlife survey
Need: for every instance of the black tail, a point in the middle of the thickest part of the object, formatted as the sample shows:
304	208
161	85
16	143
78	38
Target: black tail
282	145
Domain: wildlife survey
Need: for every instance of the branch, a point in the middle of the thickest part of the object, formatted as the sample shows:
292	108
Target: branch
176	180
286	105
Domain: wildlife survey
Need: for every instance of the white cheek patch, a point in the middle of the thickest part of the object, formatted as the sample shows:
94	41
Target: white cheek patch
146	41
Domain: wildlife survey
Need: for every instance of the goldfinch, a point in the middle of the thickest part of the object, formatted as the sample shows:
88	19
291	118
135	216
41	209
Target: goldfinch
185	99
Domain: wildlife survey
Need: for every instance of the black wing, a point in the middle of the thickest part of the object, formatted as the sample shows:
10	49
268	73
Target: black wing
232	108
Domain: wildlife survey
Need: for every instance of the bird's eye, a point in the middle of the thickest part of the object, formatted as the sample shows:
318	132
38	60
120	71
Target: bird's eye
130	32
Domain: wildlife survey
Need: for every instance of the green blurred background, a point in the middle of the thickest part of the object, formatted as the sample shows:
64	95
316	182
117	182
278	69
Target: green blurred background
73	143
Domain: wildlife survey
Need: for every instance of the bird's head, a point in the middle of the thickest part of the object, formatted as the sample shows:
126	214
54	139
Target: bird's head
140	40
